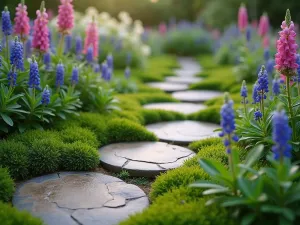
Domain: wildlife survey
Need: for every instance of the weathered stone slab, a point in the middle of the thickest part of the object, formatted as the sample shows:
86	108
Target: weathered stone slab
168	87
143	158
196	96
182	132
181	107
183	79
56	198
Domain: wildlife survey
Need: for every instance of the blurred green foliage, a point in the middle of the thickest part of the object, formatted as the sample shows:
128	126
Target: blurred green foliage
217	13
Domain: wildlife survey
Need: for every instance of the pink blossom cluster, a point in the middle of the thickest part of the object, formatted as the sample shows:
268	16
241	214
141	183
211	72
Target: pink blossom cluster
22	26
242	18
65	19
91	39
286	55
263	27
40	31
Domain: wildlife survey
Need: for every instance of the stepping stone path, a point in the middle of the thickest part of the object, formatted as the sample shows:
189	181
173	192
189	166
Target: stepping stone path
185	108
196	96
147	159
79	199
168	87
182	132
183	79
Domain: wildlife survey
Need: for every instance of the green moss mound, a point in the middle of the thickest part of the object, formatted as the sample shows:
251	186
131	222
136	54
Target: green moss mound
14	156
79	156
44	156
122	130
73	134
198	145
183	206
210	114
180	177
11	216
154	116
6	186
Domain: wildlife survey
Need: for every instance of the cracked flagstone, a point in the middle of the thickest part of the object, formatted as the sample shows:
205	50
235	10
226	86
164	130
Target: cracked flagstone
168	86
73	198
146	159
182	132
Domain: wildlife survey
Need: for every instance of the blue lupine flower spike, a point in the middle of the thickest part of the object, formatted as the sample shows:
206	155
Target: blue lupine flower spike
276	86
244	95
90	55
12	78
75	76
281	135
34	75
60	75
16	57
263	86
127	72
228	124
45	96
6	22
257	115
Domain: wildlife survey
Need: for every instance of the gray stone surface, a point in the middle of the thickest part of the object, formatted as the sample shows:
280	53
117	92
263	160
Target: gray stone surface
190	64
196	96
146	159
168	87
182	132
182	73
183	79
185	108
71	198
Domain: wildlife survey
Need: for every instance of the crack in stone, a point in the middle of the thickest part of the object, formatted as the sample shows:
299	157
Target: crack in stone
125	163
76	221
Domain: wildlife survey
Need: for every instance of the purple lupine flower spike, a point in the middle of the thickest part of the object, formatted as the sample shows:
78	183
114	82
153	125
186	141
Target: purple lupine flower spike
281	135
228	124
34	75
16	57
75	76
45	96
60	75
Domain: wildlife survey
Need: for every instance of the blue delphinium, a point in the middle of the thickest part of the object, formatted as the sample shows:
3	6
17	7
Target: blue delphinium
228	123
68	43
266	54
104	71
276	86
78	47
127	73
281	135
6	22
263	83
90	55
257	115
12	78
248	34
110	62
60	75
97	68
255	96
128	58
16	57
270	66
75	76
45	96
28	47
47	61
34	75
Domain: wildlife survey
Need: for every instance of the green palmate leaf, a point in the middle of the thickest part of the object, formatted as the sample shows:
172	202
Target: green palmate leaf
216	191
246	187
234	201
207	184
254	155
248	219
7	119
214	168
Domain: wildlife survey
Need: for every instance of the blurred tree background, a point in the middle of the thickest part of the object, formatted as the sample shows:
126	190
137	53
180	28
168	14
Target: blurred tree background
217	13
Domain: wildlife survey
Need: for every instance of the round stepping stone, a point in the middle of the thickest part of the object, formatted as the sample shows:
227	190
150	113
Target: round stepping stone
168	87
144	159
188	63
196	96
72	198
183	80
183	132
185	73
185	108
